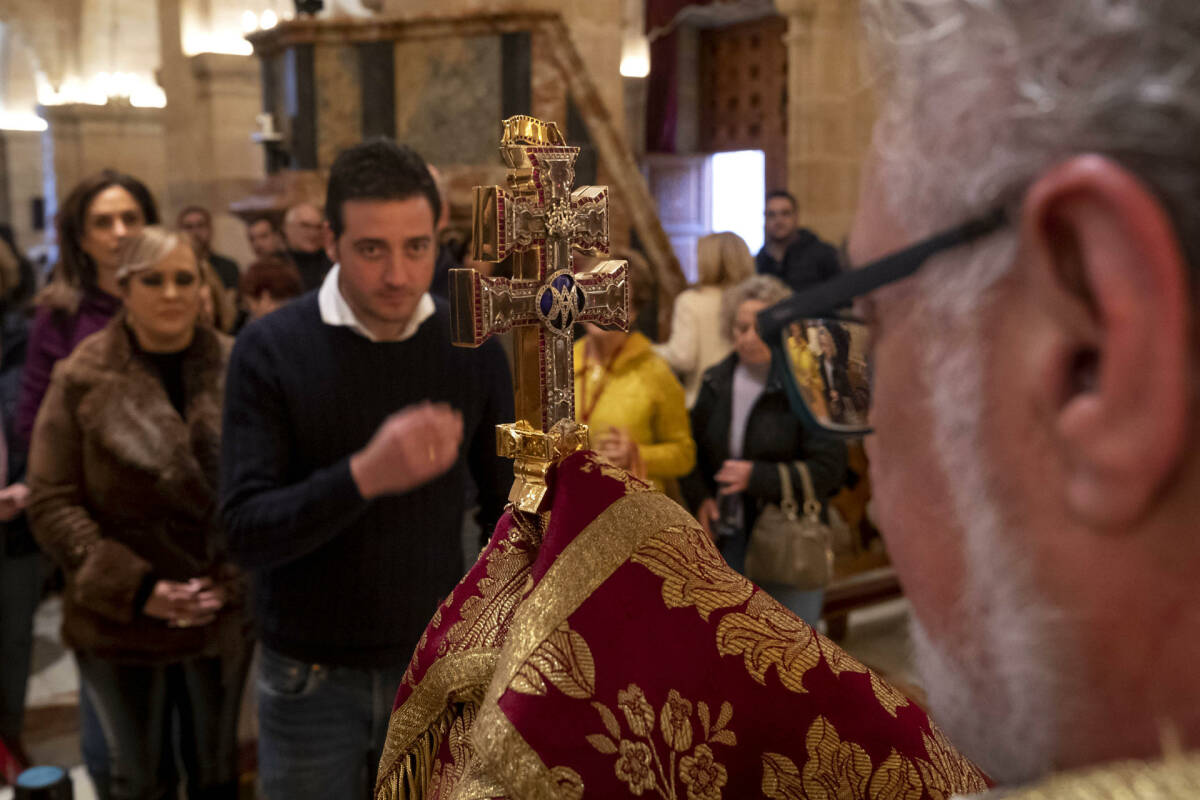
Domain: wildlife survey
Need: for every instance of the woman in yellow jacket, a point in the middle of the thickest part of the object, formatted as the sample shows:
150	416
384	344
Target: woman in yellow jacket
633	403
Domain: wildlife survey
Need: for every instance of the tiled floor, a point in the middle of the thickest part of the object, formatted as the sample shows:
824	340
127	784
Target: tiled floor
877	636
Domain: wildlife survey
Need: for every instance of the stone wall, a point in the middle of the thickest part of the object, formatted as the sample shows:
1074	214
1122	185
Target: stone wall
22	182
84	138
831	111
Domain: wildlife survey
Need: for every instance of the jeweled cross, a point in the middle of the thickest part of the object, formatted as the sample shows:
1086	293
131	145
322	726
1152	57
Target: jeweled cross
538	221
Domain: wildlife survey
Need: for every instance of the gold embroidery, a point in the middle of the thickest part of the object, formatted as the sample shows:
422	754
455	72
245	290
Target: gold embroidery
484	615
693	572
565	660
640	765
676	722
567	783
833	769
467	658
635	766
768	635
593	462
413	728
781	778
598	551
896	779
765	634
639	714
448	774
702	776
888	696
840	770
410	674
947	772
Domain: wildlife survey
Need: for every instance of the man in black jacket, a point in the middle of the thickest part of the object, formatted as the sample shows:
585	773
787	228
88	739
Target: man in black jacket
350	426
196	222
797	256
303	233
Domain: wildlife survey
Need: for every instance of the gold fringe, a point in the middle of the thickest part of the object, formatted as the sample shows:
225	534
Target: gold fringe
409	777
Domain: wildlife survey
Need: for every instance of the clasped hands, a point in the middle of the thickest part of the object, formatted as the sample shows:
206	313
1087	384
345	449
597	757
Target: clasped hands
185	604
617	446
13	500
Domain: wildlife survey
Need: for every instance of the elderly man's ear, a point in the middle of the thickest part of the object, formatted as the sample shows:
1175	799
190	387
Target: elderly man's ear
1121	366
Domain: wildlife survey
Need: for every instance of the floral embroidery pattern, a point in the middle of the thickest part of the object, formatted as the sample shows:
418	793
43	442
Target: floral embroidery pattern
840	770
642	767
765	634
694	574
702	776
639	714
947	772
484	616
635	766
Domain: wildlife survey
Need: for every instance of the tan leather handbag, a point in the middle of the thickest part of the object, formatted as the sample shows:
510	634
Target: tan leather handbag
790	544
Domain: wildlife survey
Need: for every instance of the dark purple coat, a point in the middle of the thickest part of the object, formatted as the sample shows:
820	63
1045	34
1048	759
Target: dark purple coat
53	336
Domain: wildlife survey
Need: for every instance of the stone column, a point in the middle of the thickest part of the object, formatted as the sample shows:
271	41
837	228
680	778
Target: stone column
830	112
21	178
82	139
212	101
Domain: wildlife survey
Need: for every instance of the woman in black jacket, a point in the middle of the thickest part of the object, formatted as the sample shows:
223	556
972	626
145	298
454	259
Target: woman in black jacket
743	429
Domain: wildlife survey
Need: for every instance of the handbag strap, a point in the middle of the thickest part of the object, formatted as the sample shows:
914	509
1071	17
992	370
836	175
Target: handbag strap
788	501
812	506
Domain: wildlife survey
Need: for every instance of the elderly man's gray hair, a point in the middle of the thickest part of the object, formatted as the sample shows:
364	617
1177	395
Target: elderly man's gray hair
984	95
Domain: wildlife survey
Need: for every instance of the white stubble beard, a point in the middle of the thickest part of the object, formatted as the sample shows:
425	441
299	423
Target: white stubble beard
996	687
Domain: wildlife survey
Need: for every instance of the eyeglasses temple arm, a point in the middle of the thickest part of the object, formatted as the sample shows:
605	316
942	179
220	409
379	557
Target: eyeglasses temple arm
825	298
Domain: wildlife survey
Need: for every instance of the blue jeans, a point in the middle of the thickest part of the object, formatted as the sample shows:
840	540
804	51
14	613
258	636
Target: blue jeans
805	604
20	590
321	729
140	709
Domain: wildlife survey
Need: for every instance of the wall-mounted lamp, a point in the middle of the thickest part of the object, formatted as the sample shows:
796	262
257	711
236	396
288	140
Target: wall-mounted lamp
635	55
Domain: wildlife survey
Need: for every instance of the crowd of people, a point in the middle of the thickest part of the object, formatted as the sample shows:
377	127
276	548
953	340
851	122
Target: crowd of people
1027	255
173	475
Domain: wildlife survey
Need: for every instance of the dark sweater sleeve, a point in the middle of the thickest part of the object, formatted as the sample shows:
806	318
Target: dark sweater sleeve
269	521
45	349
492	474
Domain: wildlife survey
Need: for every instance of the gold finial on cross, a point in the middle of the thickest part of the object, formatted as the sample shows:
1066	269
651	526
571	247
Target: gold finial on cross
538	221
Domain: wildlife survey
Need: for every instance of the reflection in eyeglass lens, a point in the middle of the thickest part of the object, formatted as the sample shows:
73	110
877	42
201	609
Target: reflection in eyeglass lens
828	364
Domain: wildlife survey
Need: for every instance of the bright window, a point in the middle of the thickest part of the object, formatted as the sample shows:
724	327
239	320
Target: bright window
738	190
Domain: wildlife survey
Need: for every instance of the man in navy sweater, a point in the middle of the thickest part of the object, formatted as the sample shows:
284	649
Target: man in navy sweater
350	425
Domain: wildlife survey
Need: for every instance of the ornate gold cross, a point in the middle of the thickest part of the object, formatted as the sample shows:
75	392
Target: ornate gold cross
538	221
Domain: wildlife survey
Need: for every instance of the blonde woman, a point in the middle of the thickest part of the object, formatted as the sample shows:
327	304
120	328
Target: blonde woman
123	481
698	340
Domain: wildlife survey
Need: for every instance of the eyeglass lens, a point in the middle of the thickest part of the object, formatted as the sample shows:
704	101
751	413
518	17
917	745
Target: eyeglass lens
828	363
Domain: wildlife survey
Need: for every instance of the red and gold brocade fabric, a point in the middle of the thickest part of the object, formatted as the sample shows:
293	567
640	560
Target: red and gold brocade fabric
609	651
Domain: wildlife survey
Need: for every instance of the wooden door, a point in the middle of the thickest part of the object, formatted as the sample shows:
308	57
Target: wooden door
681	186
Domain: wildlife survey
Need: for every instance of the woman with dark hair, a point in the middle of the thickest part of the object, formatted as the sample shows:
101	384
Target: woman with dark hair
99	215
123	481
94	222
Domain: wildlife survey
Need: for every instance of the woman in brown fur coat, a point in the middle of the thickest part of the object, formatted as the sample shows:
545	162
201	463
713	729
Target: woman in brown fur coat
123	475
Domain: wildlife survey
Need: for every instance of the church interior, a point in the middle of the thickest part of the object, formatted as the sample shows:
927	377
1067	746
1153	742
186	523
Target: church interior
690	112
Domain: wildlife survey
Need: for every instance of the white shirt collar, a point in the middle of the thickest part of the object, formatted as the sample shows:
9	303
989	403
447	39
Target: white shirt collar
336	311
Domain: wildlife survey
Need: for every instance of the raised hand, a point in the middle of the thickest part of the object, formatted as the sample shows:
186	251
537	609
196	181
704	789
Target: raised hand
411	448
